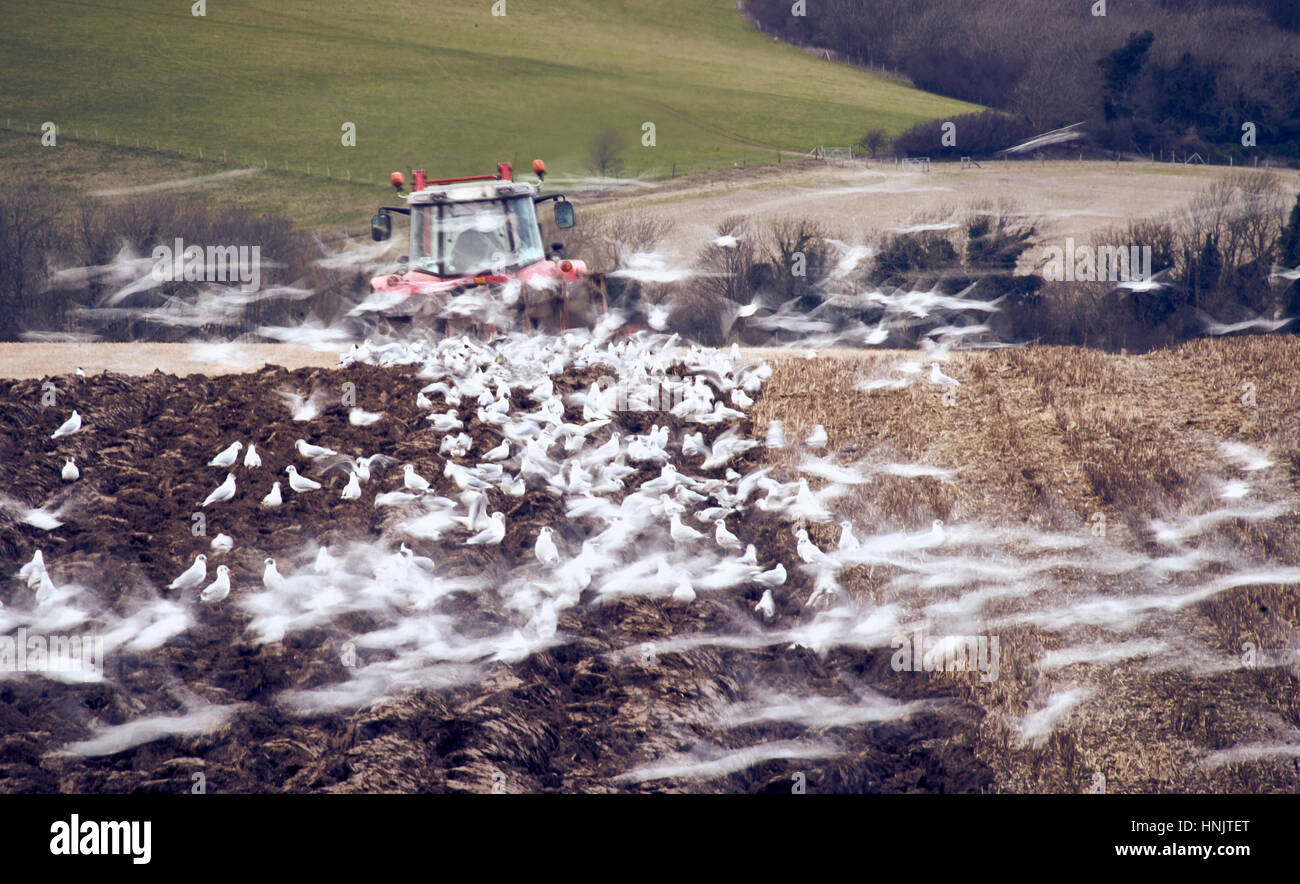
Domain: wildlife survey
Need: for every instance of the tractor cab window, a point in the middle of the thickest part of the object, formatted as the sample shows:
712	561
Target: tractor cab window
523	227
473	238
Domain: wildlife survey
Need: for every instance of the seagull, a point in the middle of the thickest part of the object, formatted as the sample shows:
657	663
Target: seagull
1235	490
80	372
501	452
684	593
750	557
306	449
936	531
545	549
493	533
300	483
446	423
70	471
766	605
359	417
219	588
32	571
725	538
227	457
422	400
774	577
413	480
70	426
682	533
775	435
224	491
818	439
352	490
847	540
251	457
273	498
938	377
271	578
223	543
808	550
193	575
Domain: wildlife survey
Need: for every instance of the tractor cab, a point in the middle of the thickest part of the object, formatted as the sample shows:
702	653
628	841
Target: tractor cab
467	233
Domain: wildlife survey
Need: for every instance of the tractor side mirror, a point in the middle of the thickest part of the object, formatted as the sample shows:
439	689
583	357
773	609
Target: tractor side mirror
564	214
381	227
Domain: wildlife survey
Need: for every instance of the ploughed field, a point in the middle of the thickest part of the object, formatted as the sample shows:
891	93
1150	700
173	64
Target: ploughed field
1112	537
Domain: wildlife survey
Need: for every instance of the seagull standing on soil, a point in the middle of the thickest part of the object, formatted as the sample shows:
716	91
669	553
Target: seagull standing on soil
224	491
938	377
818	439
273	498
223	543
70	426
766	605
774	577
847	540
413	480
775	435
219	588
251	457
493	533
684	593
227	457
937	534
545	549
352	490
682	533
306	449
70	471
725	538
271	577
193	575
300	483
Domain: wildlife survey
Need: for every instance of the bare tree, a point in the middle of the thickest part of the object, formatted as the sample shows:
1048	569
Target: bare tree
606	153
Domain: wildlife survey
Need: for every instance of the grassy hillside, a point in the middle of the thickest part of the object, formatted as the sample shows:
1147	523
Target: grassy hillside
442	84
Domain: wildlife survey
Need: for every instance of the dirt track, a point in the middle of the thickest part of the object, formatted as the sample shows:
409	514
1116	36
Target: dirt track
1076	199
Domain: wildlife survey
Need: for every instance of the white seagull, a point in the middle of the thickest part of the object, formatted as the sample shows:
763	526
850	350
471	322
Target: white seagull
725	538
413	480
352	490
70	471
545	549
193	575
818	439
70	426
251	457
273	498
938	377
766	605
306	449
271	577
493	533
224	491
227	457
300	483
219	588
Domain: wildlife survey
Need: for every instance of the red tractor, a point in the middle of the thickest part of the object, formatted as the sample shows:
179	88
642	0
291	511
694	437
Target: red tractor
478	236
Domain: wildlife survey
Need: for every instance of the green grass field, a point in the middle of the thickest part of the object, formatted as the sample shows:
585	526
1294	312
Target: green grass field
439	84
